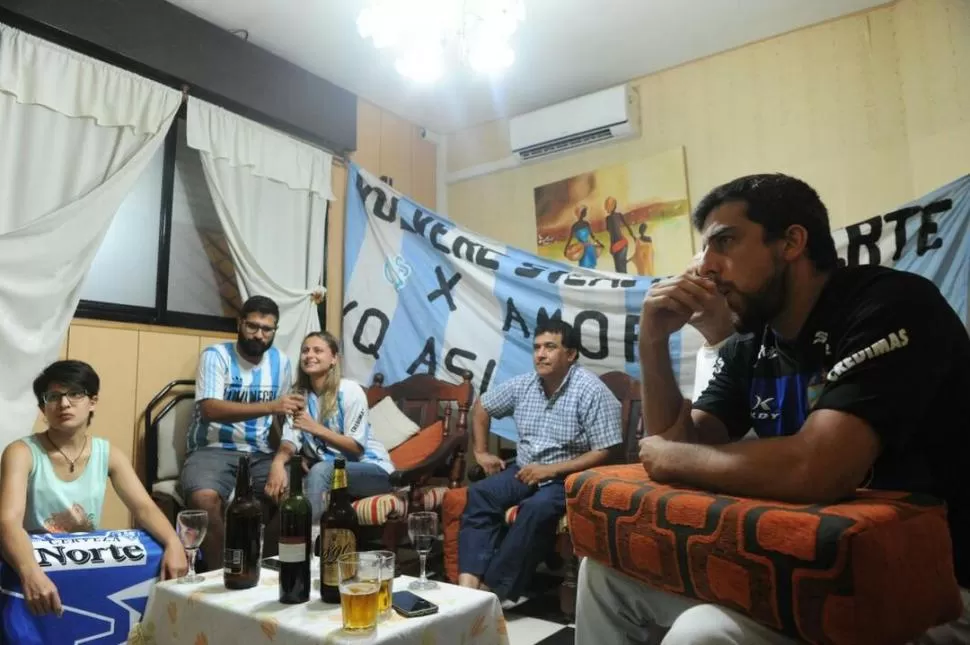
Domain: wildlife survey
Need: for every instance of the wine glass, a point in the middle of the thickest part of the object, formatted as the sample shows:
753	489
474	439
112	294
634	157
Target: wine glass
191	527
423	530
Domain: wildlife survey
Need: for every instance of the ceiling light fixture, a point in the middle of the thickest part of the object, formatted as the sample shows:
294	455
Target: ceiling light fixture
425	34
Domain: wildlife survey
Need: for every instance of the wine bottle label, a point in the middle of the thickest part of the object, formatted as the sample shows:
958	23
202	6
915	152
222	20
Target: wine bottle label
336	542
292	549
232	561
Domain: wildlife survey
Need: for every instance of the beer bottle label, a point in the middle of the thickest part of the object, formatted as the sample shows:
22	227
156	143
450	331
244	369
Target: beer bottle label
232	561
292	549
336	542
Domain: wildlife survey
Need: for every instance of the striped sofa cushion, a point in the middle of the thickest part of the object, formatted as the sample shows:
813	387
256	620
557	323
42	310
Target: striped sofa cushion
432	496
875	569
374	510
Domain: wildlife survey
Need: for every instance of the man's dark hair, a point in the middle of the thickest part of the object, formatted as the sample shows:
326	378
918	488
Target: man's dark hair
570	339
260	305
777	201
72	375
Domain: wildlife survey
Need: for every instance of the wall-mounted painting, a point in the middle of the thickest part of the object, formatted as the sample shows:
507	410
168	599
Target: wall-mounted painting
628	218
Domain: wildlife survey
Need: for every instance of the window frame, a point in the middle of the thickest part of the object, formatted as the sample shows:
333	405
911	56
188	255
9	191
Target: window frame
160	313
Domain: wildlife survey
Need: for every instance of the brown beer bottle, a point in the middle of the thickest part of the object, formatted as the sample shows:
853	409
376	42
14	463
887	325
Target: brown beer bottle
338	533
244	519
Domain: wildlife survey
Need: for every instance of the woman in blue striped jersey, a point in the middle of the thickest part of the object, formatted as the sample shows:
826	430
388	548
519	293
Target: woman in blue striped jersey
333	424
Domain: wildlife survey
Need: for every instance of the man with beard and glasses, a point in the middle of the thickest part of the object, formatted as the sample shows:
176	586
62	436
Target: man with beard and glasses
239	390
849	376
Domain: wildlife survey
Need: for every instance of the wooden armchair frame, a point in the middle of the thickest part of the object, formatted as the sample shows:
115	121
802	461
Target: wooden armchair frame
425	400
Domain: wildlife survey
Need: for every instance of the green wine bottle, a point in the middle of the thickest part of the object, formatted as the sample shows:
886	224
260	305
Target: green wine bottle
295	525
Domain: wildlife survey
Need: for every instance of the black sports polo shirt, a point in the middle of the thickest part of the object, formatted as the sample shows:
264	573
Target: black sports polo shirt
880	344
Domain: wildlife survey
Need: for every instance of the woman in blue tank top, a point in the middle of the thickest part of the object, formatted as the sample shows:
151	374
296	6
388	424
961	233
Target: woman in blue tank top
54	482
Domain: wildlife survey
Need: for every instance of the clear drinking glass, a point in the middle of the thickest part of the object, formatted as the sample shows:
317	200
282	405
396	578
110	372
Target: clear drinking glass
360	584
388	561
299	390
191	527
423	530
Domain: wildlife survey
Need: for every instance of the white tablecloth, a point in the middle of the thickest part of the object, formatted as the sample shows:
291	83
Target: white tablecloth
207	613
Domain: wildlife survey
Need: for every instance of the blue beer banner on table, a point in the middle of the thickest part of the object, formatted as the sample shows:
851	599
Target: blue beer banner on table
422	295
103	579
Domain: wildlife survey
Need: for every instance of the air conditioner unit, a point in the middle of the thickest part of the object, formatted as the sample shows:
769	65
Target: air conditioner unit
609	115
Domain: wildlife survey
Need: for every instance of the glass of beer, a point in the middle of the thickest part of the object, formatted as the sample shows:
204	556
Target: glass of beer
387	583
360	584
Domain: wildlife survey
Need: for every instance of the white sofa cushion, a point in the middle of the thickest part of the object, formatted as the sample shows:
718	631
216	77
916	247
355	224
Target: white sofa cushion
391	426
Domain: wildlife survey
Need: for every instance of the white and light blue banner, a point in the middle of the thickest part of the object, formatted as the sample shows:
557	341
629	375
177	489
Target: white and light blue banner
424	296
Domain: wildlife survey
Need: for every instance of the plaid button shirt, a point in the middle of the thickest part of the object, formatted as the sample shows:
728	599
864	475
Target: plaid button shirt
582	415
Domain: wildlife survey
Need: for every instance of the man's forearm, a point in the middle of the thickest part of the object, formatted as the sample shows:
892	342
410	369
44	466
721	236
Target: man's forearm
284	453
662	401
481	423
18	550
770	469
231	411
583	462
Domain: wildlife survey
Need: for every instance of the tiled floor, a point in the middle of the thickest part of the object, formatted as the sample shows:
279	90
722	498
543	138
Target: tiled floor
533	631
539	621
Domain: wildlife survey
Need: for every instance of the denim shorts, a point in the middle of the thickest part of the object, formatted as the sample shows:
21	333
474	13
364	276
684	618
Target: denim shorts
213	468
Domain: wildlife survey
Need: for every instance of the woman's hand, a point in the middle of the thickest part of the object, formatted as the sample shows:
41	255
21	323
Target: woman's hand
41	595
303	421
174	564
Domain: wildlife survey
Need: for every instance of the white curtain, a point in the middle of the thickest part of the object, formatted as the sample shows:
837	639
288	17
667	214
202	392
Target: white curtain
271	193
75	134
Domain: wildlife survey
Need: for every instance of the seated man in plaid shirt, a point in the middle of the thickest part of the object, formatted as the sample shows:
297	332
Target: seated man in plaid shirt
567	420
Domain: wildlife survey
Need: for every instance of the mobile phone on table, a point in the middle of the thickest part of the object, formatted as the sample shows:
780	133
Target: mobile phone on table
271	563
412	605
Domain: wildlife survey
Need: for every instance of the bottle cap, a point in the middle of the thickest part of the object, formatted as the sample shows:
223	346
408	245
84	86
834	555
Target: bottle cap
340	462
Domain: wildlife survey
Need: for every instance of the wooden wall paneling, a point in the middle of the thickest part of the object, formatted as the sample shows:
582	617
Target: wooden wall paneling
161	358
423	167
205	341
368	153
933	39
872	109
40	424
336	221
114	355
396	134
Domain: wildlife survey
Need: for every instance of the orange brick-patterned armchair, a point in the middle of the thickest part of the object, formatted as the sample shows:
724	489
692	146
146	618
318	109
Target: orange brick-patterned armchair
627	390
871	570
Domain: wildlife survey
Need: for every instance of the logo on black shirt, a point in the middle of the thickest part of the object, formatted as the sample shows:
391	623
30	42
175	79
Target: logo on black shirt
895	340
822	338
763	410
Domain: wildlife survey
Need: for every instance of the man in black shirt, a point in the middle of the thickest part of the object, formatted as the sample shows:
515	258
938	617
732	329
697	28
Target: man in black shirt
851	377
